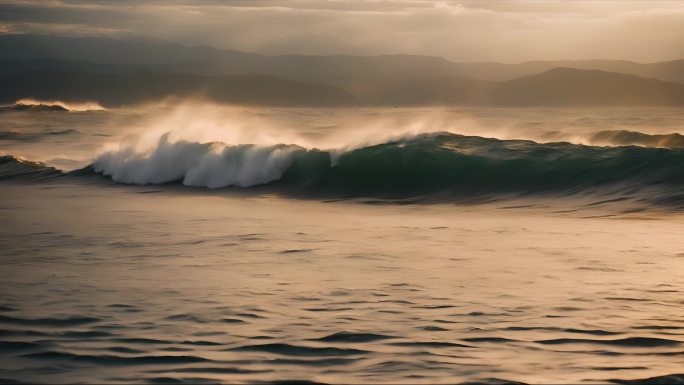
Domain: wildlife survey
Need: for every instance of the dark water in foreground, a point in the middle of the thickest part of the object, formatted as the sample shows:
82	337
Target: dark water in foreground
133	284
440	257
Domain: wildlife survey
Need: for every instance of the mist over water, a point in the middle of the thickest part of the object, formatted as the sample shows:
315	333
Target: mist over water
419	154
40	136
195	243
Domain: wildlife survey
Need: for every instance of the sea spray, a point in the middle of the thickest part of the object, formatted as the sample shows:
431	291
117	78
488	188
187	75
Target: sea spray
440	164
211	165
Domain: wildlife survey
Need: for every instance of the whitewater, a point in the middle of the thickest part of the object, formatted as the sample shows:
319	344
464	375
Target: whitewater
196	243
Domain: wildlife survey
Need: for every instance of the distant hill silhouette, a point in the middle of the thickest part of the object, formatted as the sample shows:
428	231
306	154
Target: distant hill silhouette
668	70
439	90
98	54
112	90
556	87
575	87
107	50
116	72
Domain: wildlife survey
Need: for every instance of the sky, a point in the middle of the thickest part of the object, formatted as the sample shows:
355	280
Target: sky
464	31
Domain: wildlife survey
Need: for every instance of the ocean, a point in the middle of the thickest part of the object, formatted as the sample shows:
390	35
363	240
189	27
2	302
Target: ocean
192	243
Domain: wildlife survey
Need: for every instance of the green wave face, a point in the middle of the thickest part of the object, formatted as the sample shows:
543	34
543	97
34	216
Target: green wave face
454	165
442	166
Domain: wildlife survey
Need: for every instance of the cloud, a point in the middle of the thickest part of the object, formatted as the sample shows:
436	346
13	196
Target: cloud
465	30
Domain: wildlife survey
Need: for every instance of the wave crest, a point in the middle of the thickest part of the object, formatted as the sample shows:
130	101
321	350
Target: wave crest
429	164
211	165
617	138
438	166
69	106
635	138
11	167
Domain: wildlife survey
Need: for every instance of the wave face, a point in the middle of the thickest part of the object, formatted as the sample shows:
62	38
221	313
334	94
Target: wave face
629	138
451	165
14	168
618	138
442	166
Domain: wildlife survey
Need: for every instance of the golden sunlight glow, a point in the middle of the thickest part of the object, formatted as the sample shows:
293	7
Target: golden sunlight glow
71	106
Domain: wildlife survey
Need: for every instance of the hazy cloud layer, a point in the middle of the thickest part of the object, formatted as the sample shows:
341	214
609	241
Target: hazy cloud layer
475	30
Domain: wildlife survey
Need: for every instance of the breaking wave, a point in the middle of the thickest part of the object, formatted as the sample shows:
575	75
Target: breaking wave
442	166
619	138
69	106
211	165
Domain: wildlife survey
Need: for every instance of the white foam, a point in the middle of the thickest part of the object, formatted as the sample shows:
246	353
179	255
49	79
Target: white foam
211	165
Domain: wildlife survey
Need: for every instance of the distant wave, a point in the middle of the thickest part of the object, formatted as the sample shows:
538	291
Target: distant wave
33	136
634	138
441	166
620	138
70	106
14	168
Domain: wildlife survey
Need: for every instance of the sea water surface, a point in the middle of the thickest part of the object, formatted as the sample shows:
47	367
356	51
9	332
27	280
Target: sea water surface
486	246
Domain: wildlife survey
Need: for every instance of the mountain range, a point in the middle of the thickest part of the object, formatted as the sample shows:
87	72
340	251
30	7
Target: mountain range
120	72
